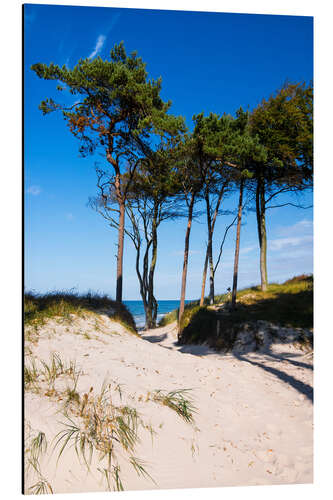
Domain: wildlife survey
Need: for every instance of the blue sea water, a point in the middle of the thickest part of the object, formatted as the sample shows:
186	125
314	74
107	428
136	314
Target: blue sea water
136	308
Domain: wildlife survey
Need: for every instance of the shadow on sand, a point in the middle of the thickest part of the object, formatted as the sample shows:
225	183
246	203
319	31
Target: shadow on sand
301	387
155	338
260	360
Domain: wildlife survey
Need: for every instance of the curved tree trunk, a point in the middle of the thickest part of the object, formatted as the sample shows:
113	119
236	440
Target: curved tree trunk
152	303
145	285
186	249
142	291
236	261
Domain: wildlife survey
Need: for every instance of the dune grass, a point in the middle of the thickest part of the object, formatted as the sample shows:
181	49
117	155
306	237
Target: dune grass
35	447
38	308
179	401
93	423
168	318
41	374
172	316
96	425
288	305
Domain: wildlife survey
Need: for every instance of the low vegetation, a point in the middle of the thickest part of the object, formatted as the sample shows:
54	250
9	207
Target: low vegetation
40	376
35	447
168	318
289	305
38	308
95	424
172	316
179	401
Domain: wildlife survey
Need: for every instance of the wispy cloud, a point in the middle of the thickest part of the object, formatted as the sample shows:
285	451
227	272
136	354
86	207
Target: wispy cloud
34	190
98	47
302	227
247	250
295	241
296	236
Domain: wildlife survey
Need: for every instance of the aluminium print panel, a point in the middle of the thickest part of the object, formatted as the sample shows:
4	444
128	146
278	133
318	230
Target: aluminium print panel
168	289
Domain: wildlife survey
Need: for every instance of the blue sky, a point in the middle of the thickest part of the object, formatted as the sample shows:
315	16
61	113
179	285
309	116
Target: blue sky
208	62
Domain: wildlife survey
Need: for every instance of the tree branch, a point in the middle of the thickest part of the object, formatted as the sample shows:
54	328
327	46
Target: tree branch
291	204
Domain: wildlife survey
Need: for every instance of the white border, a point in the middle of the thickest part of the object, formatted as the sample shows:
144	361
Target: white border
11	242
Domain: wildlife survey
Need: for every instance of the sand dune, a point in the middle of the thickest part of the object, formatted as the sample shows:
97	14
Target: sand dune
253	420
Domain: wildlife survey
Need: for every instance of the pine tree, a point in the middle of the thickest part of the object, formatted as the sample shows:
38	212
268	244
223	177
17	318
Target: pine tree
284	127
116	113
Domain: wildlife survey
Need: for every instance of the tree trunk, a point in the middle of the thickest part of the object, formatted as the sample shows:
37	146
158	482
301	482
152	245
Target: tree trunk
262	236
145	284
239	220
152	304
120	253
212	273
263	249
210	251
186	249
204	277
143	287
142	290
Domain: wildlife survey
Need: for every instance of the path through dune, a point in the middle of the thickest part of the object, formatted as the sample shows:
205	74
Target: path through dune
253	420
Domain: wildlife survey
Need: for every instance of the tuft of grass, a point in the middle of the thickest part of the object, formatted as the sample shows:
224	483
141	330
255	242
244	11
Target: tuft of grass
72	395
140	468
42	487
178	401
38	445
36	377
31	375
38	308
35	446
97	425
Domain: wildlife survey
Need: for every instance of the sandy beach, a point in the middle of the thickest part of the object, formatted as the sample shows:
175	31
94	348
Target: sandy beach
253	422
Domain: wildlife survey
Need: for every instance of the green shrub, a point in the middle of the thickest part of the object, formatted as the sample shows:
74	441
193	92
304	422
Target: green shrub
40	307
289	304
302	277
197	325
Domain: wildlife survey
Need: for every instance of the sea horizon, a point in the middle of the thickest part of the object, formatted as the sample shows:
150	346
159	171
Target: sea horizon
137	309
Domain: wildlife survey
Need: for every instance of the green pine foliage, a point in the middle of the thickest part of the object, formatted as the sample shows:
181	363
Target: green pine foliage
117	106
